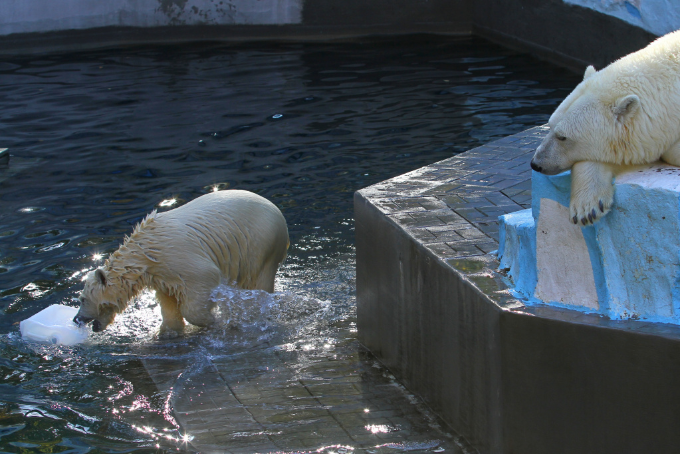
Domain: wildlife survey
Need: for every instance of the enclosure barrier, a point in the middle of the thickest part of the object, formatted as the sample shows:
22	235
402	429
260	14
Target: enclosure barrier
509	376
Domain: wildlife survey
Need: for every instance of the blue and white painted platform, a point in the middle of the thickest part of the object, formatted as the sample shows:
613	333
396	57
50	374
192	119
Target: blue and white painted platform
626	266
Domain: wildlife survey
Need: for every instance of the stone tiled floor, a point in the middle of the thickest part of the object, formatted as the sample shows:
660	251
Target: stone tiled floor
337	398
325	399
452	206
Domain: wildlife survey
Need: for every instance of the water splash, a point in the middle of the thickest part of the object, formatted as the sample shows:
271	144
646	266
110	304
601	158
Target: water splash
263	313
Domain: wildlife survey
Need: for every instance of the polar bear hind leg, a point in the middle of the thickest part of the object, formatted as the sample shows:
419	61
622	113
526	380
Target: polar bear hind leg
592	191
196	306
265	280
173	321
672	155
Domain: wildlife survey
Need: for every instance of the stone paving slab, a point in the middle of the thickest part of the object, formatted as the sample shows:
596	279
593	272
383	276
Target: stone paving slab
452	206
270	400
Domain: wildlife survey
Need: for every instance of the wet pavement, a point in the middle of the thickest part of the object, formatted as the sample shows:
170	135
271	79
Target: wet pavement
314	399
452	206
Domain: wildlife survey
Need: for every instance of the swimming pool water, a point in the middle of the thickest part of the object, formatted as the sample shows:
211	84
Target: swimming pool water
99	139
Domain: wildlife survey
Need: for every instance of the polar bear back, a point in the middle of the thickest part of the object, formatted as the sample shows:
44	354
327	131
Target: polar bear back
240	232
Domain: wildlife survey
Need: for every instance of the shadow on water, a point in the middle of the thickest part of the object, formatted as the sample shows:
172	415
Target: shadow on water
99	139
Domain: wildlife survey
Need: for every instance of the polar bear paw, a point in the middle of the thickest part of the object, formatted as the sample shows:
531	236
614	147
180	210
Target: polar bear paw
165	333
587	211
592	192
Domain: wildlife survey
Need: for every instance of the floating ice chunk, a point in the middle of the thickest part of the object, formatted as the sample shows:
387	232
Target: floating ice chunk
53	325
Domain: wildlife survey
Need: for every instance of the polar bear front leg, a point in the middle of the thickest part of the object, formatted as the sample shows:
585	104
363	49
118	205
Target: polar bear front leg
672	155
172	317
592	191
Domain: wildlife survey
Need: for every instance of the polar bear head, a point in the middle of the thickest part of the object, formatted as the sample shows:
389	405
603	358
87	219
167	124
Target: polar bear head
592	124
99	301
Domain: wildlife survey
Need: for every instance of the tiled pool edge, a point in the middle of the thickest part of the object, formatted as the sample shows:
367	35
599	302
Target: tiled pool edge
508	378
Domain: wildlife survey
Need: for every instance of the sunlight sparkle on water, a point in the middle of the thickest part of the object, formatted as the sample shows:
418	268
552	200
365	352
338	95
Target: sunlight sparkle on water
186	438
168	202
335	449
33	290
380	428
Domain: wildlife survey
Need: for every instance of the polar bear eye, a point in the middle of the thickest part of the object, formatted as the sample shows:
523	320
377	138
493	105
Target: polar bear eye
560	137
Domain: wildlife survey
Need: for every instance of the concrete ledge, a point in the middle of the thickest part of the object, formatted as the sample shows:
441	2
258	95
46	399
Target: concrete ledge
509	378
108	37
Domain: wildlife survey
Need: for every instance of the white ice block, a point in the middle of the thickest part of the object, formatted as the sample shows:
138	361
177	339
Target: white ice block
53	325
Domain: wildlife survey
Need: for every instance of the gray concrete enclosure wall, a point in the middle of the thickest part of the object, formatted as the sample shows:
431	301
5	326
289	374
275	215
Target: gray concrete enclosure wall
570	34
567	34
657	16
30	26
30	16
36	16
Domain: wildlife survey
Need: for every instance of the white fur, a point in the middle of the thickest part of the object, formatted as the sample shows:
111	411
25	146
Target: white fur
626	114
234	236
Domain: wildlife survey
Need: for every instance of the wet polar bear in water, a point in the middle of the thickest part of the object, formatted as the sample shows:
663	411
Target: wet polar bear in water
233	236
626	114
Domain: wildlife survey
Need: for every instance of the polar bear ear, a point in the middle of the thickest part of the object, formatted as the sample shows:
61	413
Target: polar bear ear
626	107
100	276
590	70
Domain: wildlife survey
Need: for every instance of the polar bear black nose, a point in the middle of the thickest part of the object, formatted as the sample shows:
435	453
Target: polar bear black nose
537	168
80	320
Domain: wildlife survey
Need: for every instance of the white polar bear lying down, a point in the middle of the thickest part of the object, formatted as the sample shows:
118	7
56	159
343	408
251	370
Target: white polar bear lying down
626	114
234	237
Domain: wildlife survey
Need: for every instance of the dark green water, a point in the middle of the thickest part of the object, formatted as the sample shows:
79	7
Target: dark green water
100	139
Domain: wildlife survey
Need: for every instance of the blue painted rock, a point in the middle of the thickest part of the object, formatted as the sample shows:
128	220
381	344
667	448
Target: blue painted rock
627	265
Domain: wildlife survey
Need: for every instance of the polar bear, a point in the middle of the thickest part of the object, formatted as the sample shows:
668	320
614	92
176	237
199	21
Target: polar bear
623	115
233	236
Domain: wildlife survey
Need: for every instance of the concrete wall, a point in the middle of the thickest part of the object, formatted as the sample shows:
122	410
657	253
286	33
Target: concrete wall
31	16
656	16
33	26
434	331
567	34
573	33
36	16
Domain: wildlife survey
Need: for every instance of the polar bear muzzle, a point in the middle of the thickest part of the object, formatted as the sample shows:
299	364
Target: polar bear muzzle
82	321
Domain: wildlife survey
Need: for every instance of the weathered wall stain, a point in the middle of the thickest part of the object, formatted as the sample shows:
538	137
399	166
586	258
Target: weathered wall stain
170	6
213	12
173	9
